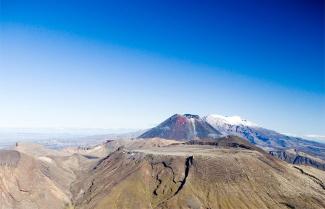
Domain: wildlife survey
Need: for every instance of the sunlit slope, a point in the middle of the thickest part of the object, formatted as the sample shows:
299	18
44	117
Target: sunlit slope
197	176
25	185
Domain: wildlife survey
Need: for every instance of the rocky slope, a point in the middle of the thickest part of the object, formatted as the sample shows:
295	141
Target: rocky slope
227	172
33	177
219	175
24	184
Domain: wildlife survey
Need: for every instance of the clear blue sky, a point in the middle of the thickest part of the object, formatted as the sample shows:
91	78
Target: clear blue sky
103	64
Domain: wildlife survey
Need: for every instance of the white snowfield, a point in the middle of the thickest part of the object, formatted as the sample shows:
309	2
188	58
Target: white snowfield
229	120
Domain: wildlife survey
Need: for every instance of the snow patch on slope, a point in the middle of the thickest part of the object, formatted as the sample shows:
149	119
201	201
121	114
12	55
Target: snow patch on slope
193	126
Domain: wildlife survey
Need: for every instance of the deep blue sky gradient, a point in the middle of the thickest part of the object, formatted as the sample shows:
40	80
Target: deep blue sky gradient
282	41
259	49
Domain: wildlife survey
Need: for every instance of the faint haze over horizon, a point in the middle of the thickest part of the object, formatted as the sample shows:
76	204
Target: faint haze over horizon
103	64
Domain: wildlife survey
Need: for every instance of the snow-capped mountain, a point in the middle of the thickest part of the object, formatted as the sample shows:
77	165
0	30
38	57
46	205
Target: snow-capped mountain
188	127
235	125
262	137
228	120
227	124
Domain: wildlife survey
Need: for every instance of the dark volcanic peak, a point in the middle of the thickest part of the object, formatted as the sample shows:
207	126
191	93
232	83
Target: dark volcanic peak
182	127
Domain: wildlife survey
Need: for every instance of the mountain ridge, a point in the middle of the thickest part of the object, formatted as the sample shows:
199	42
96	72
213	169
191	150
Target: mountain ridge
214	126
